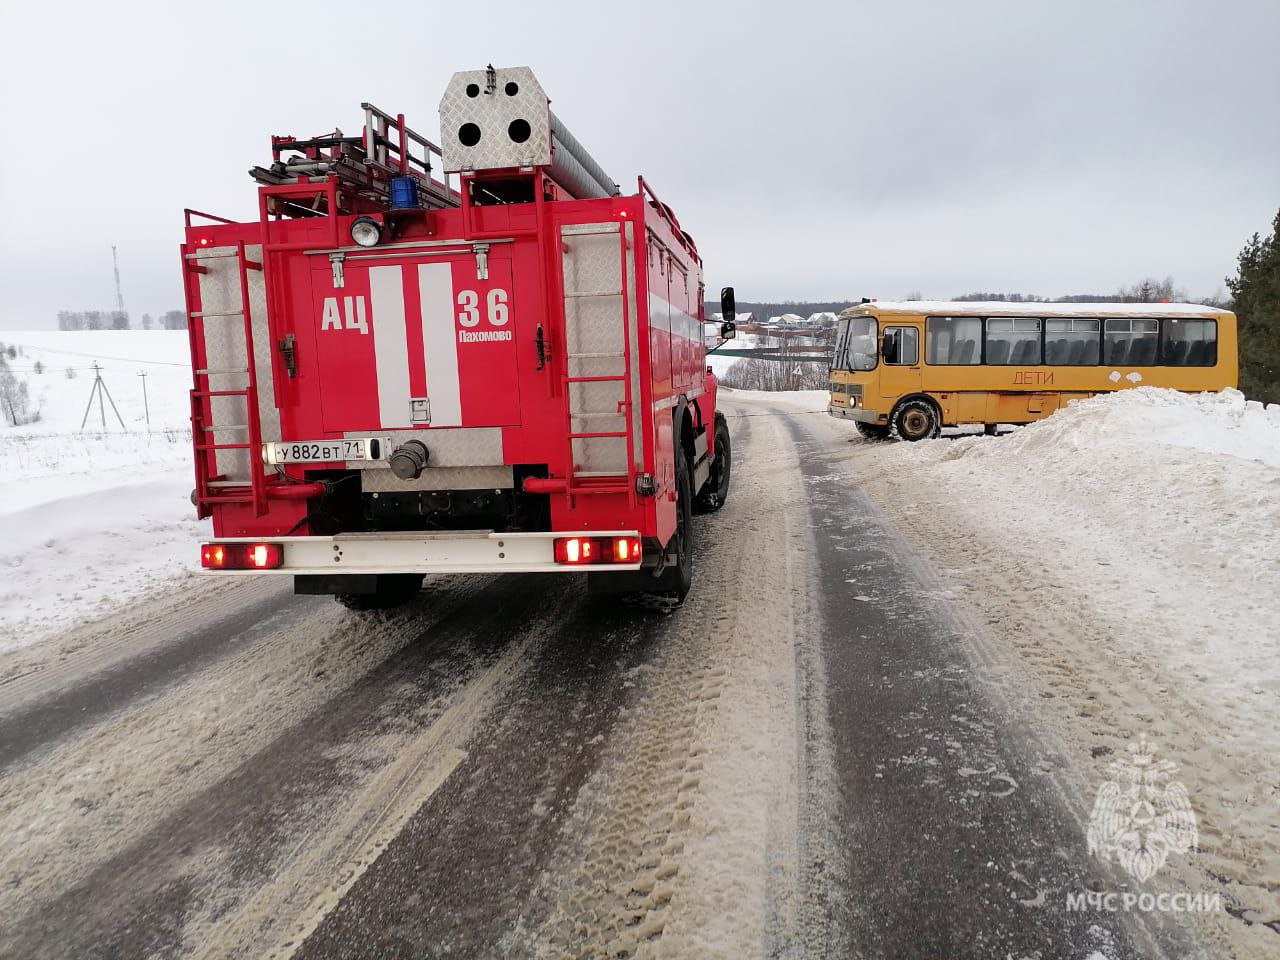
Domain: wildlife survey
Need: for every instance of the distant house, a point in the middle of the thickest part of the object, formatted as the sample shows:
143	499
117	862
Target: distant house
824	318
740	318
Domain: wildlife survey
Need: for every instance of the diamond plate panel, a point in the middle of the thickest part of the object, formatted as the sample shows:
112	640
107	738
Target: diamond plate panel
268	412
466	101
225	350
600	455
633	337
592	264
460	447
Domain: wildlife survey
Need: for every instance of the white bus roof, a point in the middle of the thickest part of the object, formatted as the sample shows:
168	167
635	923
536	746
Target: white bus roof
1001	308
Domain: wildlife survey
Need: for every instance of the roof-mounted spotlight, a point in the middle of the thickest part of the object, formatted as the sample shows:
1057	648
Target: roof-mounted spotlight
366	231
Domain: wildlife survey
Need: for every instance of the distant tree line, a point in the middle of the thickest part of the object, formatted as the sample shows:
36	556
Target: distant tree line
803	308
118	320
1150	290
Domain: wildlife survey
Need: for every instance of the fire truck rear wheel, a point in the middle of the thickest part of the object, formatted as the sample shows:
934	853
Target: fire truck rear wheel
716	491
392	590
678	579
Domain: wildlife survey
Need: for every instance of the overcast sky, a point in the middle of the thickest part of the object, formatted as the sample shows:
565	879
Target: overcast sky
814	151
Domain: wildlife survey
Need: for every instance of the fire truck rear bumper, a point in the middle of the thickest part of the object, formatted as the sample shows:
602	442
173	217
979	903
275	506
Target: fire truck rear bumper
452	552
855	413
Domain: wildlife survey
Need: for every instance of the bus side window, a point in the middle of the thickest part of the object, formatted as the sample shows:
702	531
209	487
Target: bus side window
953	341
1071	342
1190	343
1130	342
1013	341
902	346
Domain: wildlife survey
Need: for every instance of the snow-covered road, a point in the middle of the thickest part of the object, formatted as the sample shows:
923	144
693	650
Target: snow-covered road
848	741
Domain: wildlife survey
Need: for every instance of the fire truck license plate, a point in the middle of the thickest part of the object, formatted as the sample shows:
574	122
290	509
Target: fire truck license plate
322	451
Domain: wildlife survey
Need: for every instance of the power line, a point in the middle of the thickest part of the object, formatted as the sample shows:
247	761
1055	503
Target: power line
99	356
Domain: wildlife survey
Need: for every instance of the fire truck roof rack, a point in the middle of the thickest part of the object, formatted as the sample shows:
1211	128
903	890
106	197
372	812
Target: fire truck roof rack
364	165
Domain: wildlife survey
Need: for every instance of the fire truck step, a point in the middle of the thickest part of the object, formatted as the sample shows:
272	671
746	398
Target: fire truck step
223	446
596	356
227	426
201	314
220	370
220	393
617	379
587	294
596	434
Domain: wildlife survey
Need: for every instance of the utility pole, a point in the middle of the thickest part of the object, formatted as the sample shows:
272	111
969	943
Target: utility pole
122	316
146	407
115	265
100	390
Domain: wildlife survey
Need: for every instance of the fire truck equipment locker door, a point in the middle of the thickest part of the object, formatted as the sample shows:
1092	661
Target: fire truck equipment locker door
416	342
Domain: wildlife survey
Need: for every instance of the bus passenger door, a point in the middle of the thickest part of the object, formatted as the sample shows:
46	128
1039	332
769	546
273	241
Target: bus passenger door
899	361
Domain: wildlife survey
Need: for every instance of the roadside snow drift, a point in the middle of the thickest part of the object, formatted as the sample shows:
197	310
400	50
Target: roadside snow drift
1131	420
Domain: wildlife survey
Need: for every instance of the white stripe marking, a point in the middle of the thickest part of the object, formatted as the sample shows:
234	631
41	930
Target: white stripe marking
390	345
440	343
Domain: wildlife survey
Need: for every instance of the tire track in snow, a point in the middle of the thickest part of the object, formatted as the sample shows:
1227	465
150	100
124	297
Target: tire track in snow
99	793
37	713
688	836
239	866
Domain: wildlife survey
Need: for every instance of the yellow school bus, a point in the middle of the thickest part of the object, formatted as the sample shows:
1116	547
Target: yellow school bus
907	369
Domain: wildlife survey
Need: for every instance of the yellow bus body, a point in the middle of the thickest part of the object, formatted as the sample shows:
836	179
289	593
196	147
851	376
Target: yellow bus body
980	391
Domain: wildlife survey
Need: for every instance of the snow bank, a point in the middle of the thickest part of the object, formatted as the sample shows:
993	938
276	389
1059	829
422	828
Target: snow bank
92	519
1213	423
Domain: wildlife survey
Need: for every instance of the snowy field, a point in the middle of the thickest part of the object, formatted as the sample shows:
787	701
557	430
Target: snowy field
92	519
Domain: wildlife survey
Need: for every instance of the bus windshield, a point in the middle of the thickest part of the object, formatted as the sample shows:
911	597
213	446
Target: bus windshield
856	349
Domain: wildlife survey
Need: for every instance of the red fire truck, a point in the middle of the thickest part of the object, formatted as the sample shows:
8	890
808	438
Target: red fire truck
420	360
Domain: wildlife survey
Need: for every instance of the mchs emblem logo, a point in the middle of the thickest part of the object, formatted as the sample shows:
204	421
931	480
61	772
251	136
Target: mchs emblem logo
1141	815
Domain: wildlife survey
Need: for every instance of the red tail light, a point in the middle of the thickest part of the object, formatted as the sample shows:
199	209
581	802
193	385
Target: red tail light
626	550
264	556
241	556
576	550
583	550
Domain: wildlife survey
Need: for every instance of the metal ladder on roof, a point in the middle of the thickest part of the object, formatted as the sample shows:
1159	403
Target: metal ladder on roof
215	483
598	359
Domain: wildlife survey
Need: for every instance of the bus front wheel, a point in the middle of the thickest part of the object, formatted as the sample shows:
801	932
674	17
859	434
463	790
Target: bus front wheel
916	420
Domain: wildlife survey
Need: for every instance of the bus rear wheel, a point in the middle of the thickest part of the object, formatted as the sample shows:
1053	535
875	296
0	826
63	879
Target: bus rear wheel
872	431
916	420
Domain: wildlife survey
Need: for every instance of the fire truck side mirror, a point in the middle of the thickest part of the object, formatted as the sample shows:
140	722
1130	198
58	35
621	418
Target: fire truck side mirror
728	307
728	331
